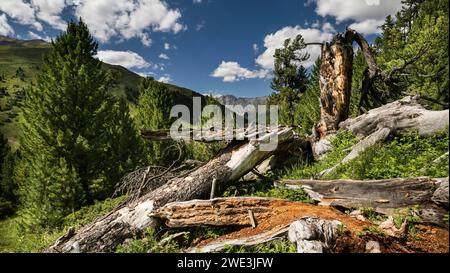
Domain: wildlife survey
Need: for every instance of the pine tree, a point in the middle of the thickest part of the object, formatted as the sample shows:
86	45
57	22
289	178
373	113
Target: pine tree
155	104
290	79
74	132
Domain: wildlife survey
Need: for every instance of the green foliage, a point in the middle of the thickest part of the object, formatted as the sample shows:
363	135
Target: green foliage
372	231
266	189
307	113
149	244
409	155
410	215
341	144
419	32
371	215
290	79
15	238
8	185
77	139
282	246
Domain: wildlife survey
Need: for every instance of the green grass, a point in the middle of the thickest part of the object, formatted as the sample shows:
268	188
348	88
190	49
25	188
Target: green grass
409	155
282	246
14	238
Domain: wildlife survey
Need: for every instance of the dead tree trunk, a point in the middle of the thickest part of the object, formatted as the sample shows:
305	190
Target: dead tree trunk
335	83
132	219
385	196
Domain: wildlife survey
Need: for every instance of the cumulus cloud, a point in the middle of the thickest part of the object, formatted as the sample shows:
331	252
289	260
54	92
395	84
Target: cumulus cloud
128	19
276	40
5	28
164	56
165	79
127	59
21	12
166	46
33	35
197	1
50	11
232	71
367	15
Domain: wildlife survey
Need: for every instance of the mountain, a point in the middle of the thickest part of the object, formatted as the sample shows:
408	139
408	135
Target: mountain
20	61
232	100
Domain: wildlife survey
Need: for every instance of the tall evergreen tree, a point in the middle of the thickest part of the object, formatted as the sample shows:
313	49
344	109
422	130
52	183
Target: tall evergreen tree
77	139
155	104
290	79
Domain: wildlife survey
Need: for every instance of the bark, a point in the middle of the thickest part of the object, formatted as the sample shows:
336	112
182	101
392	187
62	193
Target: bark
335	83
132	219
385	196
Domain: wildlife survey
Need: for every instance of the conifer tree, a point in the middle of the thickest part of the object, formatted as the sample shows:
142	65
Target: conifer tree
155	104
290	79
77	139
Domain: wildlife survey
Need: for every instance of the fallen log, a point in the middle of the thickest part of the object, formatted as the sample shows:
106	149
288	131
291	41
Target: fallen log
216	212
378	124
385	196
132	219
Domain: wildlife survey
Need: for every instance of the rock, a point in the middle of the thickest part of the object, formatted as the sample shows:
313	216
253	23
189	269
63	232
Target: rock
389	228
313	235
358	215
373	247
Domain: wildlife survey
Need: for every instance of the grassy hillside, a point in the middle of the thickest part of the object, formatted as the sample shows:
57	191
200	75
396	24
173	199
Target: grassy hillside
20	61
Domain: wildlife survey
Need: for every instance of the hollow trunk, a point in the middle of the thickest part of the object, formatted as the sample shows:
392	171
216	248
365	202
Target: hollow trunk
335	83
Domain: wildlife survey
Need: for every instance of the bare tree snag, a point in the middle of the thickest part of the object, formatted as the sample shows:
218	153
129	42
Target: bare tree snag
132	219
385	196
335	83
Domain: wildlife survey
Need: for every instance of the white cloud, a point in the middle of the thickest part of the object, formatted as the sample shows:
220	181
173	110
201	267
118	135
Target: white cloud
166	46
50	11
369	26
255	48
128	19
276	40
197	1
357	10
200	26
127	59
165	79
5	28
367	15
21	12
232	71
33	35
163	56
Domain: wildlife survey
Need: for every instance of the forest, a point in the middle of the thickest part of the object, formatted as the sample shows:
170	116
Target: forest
361	166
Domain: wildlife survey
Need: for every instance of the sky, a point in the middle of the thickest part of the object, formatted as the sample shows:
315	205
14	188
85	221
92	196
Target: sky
210	46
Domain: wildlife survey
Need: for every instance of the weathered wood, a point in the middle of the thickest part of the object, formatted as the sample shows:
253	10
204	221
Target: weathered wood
132	219
232	211
385	196
375	126
277	233
335	83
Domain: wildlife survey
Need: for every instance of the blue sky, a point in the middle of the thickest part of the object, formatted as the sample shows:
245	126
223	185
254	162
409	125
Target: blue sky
210	46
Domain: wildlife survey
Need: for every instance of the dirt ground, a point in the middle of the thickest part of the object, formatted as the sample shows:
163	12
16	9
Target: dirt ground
428	239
